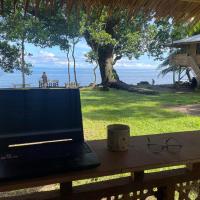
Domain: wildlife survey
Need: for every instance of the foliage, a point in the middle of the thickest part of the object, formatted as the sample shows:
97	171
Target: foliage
129	38
22	28
92	58
57	29
9	57
166	67
194	30
60	30
126	36
162	33
13	27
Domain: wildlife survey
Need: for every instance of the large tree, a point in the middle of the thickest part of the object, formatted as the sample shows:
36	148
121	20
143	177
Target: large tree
113	37
110	37
19	28
10	53
92	58
62	30
116	36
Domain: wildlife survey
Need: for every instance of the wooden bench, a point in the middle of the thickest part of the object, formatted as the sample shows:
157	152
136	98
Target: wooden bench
50	84
137	184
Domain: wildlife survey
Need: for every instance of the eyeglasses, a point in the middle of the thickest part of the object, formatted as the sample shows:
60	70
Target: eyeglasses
171	145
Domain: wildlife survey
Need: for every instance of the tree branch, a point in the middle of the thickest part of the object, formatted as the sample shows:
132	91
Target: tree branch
118	57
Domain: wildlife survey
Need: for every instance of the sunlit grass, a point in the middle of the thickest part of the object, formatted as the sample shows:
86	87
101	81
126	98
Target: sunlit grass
143	113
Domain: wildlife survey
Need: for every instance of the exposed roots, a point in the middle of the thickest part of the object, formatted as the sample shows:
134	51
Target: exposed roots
131	88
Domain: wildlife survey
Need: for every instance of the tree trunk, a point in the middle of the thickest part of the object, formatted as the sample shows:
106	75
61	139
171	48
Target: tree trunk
23	64
95	76
179	74
188	75
105	60
68	67
105	56
74	61
174	77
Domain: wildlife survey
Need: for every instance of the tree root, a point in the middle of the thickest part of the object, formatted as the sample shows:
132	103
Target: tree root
131	88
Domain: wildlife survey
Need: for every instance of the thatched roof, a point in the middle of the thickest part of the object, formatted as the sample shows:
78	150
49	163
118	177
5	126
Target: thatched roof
180	10
188	40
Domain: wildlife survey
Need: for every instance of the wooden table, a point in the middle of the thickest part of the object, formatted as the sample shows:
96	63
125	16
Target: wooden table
137	159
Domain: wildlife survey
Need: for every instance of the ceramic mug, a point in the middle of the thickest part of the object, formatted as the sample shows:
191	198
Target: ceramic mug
118	136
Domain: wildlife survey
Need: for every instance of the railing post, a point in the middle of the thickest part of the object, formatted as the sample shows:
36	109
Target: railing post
66	190
137	176
166	192
193	167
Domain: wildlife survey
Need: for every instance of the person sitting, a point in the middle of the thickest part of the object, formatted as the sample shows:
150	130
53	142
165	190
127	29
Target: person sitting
44	80
194	83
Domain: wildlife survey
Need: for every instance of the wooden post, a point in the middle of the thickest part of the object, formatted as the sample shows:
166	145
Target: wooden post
166	192
66	190
137	176
193	167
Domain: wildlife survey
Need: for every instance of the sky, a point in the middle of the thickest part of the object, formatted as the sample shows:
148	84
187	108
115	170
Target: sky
54	57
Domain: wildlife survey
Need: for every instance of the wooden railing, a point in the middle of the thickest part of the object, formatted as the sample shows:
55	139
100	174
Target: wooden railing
138	184
180	184
50	84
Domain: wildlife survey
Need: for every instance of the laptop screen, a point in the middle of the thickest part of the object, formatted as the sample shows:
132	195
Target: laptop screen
43	111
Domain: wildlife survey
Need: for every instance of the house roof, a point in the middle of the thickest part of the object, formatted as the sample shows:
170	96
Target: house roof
179	10
188	40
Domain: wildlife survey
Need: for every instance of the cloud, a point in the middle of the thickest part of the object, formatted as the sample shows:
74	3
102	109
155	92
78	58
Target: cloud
51	58
136	64
47	54
48	59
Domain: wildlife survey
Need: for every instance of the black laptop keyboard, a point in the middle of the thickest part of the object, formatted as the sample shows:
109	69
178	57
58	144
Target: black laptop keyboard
42	161
46	151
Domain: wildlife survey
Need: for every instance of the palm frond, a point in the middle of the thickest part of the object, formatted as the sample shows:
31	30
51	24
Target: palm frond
167	70
166	62
194	30
166	67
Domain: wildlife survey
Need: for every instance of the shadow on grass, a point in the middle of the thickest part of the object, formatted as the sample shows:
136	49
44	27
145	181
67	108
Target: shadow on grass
117	104
139	112
118	97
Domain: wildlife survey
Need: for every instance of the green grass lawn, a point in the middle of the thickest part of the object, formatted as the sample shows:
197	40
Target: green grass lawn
143	113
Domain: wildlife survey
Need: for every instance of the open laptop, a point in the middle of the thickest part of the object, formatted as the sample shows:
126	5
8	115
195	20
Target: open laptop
41	133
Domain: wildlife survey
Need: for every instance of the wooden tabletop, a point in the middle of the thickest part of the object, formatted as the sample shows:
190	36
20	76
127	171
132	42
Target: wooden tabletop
138	158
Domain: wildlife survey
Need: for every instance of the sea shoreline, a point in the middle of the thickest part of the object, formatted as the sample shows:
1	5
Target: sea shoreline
85	76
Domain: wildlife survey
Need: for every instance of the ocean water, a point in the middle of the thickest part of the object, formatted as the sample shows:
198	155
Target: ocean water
84	75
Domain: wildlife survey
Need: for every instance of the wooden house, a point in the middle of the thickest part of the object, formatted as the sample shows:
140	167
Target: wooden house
188	54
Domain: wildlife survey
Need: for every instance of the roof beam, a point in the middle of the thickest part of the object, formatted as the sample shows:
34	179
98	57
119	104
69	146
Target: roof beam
192	1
